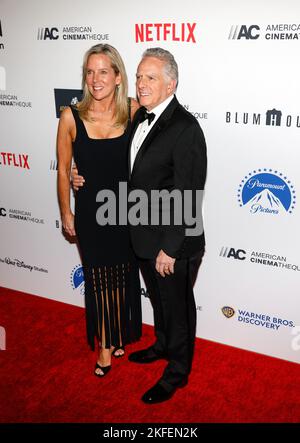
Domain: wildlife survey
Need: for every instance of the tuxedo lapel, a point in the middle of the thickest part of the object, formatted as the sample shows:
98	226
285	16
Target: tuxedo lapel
135	124
157	127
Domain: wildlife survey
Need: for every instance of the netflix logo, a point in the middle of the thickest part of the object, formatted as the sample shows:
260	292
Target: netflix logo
176	32
17	160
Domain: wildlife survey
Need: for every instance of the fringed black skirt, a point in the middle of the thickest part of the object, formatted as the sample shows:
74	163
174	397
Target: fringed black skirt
113	304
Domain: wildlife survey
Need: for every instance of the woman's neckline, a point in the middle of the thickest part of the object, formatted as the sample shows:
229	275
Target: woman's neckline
99	138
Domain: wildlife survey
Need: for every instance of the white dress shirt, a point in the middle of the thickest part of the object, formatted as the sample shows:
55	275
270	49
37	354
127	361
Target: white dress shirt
144	128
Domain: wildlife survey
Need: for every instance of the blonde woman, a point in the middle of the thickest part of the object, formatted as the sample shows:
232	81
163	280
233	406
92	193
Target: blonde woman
96	133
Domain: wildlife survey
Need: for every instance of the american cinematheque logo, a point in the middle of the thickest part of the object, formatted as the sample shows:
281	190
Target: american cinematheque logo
270	32
264	258
265	191
13	101
197	114
20	215
86	33
10	99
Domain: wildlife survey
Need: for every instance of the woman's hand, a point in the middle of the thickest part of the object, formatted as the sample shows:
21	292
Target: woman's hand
77	180
68	224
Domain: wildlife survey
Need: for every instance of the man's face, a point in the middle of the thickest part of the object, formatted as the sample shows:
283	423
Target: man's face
153	85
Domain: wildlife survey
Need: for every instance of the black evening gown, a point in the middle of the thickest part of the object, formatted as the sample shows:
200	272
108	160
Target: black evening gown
112	285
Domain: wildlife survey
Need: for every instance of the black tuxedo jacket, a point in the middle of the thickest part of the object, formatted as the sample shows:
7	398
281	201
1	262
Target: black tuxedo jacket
172	156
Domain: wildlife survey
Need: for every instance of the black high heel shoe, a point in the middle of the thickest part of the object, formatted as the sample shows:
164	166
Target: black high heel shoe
104	369
118	349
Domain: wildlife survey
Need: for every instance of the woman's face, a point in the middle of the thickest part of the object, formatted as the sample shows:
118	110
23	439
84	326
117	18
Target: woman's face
101	79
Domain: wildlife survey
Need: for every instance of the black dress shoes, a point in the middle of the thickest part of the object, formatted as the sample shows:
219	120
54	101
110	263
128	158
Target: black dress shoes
157	394
145	356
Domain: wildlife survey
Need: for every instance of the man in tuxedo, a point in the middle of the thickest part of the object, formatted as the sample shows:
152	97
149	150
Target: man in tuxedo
167	151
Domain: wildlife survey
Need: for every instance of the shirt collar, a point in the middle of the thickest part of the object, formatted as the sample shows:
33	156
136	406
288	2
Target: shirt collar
159	109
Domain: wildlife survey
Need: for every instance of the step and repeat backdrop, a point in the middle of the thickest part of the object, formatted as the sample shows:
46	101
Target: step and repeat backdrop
239	76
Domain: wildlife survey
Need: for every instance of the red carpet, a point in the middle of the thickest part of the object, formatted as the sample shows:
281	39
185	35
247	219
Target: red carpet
46	376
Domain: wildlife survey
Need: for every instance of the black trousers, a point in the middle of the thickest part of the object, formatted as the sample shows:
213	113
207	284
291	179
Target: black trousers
174	309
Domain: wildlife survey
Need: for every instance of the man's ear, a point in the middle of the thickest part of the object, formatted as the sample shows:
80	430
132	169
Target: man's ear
171	86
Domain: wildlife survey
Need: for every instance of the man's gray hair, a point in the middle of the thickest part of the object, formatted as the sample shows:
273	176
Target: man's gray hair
171	66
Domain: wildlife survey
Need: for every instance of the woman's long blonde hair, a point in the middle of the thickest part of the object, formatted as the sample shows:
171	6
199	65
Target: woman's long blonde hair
121	91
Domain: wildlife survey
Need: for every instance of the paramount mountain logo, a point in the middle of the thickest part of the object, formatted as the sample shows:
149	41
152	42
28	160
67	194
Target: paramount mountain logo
77	278
268	192
266	199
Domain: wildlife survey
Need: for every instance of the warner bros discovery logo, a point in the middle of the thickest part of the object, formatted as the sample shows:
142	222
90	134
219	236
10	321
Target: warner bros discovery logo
265	191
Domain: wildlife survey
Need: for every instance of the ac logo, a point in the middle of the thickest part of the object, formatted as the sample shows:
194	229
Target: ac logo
238	32
238	254
2	212
48	33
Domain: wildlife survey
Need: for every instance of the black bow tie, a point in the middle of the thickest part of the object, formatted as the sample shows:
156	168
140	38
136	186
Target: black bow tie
147	116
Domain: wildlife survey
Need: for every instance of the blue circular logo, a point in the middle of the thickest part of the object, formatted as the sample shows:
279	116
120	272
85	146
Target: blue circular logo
267	191
77	278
